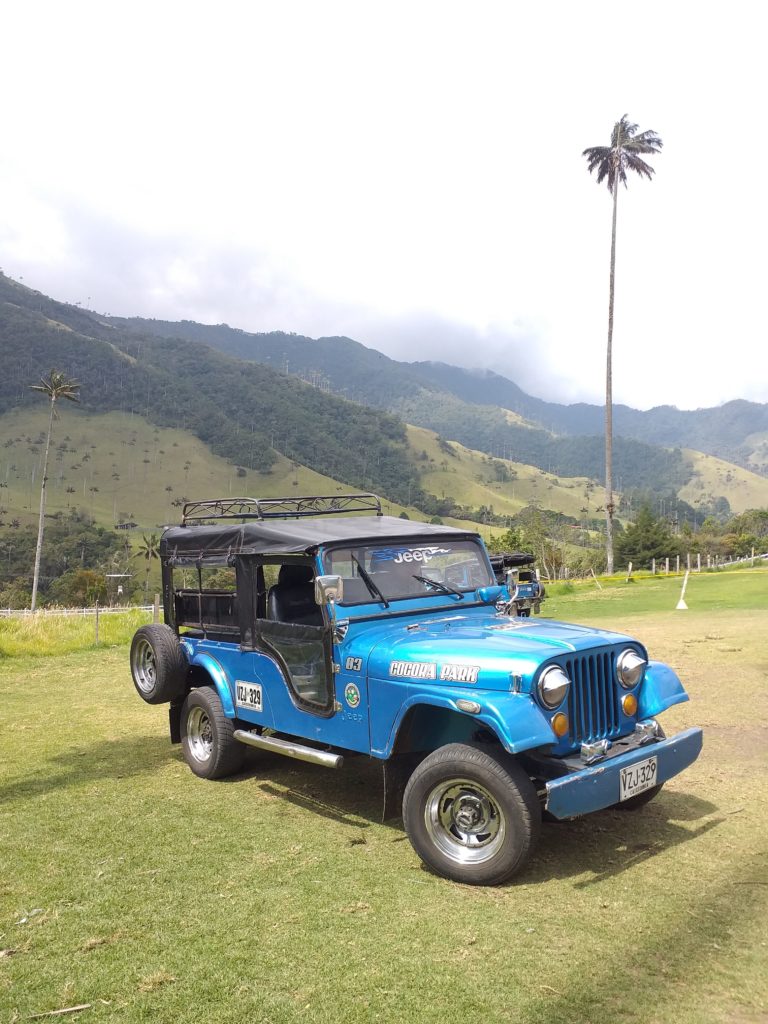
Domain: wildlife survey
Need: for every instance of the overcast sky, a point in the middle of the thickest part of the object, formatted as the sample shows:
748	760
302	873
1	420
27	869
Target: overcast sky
408	174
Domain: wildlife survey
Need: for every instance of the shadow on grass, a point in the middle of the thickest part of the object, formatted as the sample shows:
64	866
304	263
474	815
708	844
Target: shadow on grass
597	846
613	841
352	796
106	759
603	844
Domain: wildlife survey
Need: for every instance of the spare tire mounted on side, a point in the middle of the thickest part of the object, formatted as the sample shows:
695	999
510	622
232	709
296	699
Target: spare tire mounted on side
158	665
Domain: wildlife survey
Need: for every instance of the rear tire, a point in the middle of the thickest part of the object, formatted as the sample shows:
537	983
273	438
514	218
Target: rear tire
158	665
207	736
472	816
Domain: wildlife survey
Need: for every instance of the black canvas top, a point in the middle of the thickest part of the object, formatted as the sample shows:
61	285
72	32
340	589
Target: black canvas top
186	545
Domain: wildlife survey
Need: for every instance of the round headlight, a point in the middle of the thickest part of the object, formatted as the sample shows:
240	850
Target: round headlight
553	686
629	668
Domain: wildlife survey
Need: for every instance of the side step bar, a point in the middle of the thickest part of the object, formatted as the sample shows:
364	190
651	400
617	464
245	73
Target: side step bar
290	749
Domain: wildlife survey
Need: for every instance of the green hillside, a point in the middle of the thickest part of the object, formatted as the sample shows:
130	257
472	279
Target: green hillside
721	431
120	468
247	414
757	447
479	480
347	367
258	420
713	477
420	394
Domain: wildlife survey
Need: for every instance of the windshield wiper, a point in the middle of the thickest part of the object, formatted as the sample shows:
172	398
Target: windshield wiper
444	588
372	588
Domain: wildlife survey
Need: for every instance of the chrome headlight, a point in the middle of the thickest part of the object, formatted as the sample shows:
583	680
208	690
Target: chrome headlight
629	668
553	686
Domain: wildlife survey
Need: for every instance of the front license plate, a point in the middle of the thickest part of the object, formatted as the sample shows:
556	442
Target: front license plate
248	695
638	778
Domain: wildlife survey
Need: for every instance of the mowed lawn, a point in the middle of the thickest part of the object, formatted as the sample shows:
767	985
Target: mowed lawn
128	884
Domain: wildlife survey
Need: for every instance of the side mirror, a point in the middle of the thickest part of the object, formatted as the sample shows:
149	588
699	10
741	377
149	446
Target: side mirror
328	589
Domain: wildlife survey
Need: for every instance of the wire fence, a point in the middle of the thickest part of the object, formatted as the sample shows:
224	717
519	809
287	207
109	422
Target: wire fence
8	613
697	563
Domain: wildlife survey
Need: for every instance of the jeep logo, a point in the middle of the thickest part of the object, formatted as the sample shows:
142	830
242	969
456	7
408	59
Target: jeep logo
418	555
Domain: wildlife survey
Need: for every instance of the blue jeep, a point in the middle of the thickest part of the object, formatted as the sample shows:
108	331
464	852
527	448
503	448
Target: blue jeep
305	627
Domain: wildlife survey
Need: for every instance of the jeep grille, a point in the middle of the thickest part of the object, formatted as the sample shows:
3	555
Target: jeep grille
593	699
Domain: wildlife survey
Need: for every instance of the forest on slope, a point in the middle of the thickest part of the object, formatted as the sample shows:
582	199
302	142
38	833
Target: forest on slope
245	412
415	393
330	404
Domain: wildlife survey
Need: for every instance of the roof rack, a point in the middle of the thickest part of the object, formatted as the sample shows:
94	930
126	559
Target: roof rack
279	508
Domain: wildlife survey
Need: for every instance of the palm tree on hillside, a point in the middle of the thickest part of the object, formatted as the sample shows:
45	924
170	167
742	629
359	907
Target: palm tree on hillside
611	163
55	386
149	548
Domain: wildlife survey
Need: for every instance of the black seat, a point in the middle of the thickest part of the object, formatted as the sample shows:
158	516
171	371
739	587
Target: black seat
292	599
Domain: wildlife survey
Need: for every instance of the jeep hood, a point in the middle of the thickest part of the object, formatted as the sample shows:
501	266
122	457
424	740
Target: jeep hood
482	650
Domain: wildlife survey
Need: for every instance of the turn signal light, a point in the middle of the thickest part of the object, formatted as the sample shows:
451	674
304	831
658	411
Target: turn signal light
629	704
560	724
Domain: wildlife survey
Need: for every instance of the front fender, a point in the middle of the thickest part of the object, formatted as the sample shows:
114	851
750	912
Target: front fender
660	690
219	678
513	717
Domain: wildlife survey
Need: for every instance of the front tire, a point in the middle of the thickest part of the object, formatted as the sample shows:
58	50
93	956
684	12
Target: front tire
207	736
471	816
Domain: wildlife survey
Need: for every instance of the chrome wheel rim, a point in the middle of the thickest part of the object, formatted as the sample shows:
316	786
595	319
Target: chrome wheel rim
199	735
144	667
464	821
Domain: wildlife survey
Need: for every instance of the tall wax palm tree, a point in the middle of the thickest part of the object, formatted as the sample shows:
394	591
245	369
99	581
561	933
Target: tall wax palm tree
611	164
148	549
55	386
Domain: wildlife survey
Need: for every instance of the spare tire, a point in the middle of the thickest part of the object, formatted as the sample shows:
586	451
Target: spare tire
158	665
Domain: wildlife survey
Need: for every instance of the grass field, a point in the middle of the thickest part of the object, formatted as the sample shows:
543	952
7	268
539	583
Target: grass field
705	592
44	636
130	885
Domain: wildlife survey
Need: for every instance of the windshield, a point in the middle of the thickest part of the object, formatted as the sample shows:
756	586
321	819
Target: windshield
384	573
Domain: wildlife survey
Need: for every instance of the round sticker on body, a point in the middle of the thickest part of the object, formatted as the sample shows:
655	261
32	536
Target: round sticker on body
352	695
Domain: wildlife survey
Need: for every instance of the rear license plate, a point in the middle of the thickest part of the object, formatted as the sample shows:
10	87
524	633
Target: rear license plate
637	778
248	695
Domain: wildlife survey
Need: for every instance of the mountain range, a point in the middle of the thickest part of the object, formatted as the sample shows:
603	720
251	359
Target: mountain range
341	409
427	393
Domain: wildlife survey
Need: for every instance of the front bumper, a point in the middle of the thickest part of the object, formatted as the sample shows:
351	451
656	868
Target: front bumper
596	787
